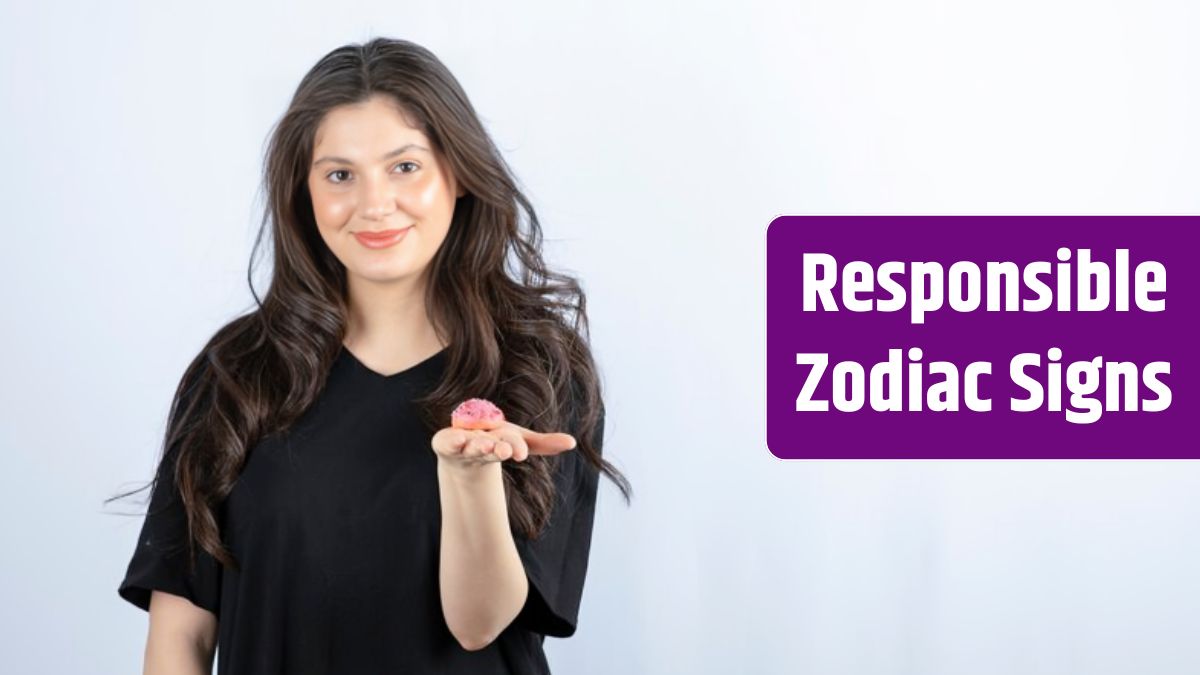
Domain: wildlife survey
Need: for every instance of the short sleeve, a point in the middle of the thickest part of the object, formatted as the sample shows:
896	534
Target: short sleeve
556	561
160	560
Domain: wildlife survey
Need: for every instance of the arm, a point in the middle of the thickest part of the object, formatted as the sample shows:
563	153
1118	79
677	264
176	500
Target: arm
182	637
482	579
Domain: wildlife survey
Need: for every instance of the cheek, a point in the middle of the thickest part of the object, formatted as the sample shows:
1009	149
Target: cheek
331	210
428	196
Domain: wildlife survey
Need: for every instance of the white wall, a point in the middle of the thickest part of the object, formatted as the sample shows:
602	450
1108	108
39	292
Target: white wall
657	141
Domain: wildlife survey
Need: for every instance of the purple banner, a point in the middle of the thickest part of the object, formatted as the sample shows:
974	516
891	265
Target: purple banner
982	337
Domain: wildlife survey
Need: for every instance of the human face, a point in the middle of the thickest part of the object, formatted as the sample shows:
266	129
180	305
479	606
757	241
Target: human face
372	172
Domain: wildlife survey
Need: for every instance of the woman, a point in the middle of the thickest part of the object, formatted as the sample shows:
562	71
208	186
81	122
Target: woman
313	510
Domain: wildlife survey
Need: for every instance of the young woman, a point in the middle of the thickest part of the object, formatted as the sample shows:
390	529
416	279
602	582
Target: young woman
313	509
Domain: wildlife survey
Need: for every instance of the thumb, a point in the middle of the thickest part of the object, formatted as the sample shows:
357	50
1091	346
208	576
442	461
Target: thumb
550	443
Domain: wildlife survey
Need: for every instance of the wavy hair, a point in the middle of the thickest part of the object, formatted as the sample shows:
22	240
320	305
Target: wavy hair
517	332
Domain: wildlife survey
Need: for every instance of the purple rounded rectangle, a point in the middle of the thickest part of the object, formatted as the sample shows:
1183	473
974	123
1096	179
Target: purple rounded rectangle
1145	351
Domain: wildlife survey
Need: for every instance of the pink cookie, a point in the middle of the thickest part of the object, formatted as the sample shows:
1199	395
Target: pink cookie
476	413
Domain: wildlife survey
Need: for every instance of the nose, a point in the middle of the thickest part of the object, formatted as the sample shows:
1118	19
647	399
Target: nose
378	199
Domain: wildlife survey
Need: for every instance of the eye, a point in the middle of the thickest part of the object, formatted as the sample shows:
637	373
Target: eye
329	176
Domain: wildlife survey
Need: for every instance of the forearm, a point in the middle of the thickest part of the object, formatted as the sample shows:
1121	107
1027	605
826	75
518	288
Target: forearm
482	579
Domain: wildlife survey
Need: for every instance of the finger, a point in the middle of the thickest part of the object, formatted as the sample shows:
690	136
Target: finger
480	445
503	450
485	458
459	442
470	448
540	443
449	442
551	444
509	435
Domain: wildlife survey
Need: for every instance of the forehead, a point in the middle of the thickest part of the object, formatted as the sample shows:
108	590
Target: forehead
364	128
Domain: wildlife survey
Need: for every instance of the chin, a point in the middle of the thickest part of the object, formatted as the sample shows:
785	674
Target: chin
384	273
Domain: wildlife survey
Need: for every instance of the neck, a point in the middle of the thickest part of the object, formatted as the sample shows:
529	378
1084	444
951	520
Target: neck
389	322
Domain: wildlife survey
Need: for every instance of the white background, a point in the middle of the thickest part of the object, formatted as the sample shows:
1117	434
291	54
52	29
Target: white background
657	141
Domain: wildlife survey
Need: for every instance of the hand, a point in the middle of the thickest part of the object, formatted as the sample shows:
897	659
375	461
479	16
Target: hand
470	447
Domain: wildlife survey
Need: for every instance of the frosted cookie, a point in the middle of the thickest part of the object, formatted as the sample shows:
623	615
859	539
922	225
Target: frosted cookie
476	413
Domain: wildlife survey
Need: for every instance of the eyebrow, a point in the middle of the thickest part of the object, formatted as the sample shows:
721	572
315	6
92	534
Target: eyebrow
398	151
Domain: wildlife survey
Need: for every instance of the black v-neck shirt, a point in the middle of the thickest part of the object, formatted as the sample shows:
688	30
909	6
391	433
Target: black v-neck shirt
336	526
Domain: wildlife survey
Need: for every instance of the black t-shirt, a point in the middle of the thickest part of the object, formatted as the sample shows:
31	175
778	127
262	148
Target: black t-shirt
336	526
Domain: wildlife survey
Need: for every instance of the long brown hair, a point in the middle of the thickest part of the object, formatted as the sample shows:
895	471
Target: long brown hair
517	336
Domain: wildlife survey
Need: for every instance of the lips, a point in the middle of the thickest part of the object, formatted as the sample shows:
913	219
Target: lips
381	238
381	234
